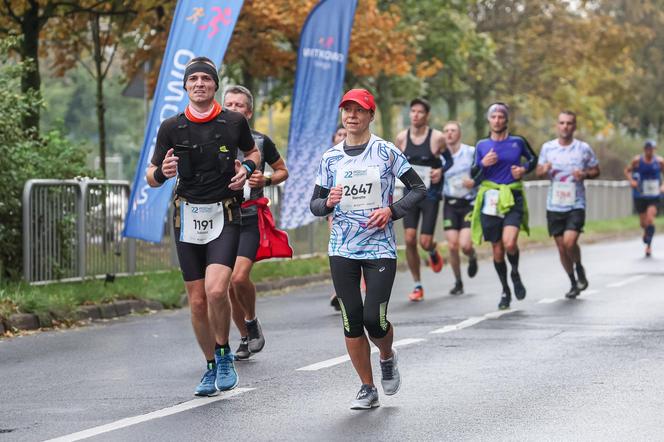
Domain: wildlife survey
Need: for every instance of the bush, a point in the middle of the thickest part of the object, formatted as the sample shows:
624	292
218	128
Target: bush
24	154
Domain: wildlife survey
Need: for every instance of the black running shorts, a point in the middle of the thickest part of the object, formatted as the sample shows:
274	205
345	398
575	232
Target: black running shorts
492	226
559	222
250	237
457	213
429	210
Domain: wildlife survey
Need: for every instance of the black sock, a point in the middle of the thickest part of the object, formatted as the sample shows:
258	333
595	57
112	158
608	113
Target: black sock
211	361
650	232
252	322
501	269
572	278
514	261
225	347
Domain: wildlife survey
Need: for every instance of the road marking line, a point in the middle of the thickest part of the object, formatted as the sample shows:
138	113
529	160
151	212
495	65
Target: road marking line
548	300
472	321
589	292
123	423
626	281
341	359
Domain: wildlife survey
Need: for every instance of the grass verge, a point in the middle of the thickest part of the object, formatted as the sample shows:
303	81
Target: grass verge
62	299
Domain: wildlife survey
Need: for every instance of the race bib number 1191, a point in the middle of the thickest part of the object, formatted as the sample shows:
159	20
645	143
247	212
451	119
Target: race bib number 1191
201	223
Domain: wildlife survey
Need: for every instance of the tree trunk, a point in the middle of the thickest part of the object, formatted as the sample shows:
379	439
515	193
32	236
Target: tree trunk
480	117
452	107
384	102
31	80
99	79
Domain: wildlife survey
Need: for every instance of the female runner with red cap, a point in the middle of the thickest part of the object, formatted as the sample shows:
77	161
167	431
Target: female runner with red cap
355	183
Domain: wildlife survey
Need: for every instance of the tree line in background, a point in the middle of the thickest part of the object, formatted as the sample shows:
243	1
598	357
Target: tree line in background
602	58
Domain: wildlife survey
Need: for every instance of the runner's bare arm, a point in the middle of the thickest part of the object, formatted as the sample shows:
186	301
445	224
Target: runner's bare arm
400	141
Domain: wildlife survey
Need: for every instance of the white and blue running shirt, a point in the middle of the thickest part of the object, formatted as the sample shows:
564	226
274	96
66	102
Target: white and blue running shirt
463	162
350	237
564	160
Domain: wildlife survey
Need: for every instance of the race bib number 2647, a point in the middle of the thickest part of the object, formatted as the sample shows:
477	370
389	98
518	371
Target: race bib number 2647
360	188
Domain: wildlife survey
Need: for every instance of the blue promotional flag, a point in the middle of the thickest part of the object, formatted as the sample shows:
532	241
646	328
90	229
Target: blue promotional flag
321	65
200	28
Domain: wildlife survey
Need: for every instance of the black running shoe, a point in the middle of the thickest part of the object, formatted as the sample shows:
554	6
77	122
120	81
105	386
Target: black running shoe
256	338
334	302
573	292
472	266
457	289
504	303
582	281
519	289
242	351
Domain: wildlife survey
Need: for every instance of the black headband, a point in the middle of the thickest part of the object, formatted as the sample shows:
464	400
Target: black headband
201	66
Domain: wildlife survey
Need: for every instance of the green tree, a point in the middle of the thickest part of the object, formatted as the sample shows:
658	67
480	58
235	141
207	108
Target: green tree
24	154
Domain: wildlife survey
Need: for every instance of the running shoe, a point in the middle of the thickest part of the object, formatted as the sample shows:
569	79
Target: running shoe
391	379
582	281
573	292
334	302
519	289
366	398
242	351
457	289
648	251
256	338
435	261
227	377
472	266
417	294
504	303
207	386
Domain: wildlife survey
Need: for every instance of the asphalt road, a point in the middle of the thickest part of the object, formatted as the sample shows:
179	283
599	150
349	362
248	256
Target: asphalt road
550	369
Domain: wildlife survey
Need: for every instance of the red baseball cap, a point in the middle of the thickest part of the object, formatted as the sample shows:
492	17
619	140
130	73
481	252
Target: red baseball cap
360	96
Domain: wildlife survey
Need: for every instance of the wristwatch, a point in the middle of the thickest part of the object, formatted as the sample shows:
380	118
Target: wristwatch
268	181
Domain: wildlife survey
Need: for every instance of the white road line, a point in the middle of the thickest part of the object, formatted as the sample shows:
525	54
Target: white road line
626	281
123	423
589	292
341	359
548	300
472	321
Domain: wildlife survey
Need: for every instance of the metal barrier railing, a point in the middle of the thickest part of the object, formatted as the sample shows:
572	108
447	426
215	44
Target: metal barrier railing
72	229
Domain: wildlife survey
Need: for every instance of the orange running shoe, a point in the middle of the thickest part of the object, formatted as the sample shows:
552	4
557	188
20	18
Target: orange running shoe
436	262
417	295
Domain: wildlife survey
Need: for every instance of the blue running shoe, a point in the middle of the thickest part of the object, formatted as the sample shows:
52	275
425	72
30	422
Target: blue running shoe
207	385
227	377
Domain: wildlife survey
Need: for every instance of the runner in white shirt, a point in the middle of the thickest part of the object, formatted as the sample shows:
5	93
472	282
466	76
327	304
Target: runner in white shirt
459	192
356	182
568	162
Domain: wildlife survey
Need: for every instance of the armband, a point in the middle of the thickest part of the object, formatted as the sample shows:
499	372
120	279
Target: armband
159	175
250	166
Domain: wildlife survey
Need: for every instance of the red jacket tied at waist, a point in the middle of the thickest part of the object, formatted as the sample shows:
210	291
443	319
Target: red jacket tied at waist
274	242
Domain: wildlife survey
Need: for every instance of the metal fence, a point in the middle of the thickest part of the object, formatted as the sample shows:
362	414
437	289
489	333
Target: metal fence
72	229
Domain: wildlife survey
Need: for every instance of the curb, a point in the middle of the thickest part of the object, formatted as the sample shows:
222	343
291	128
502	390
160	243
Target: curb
30	321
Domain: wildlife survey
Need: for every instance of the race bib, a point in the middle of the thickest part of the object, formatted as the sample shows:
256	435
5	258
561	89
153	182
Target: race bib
650	188
201	223
563	193
456	187
360	188
424	172
490	204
